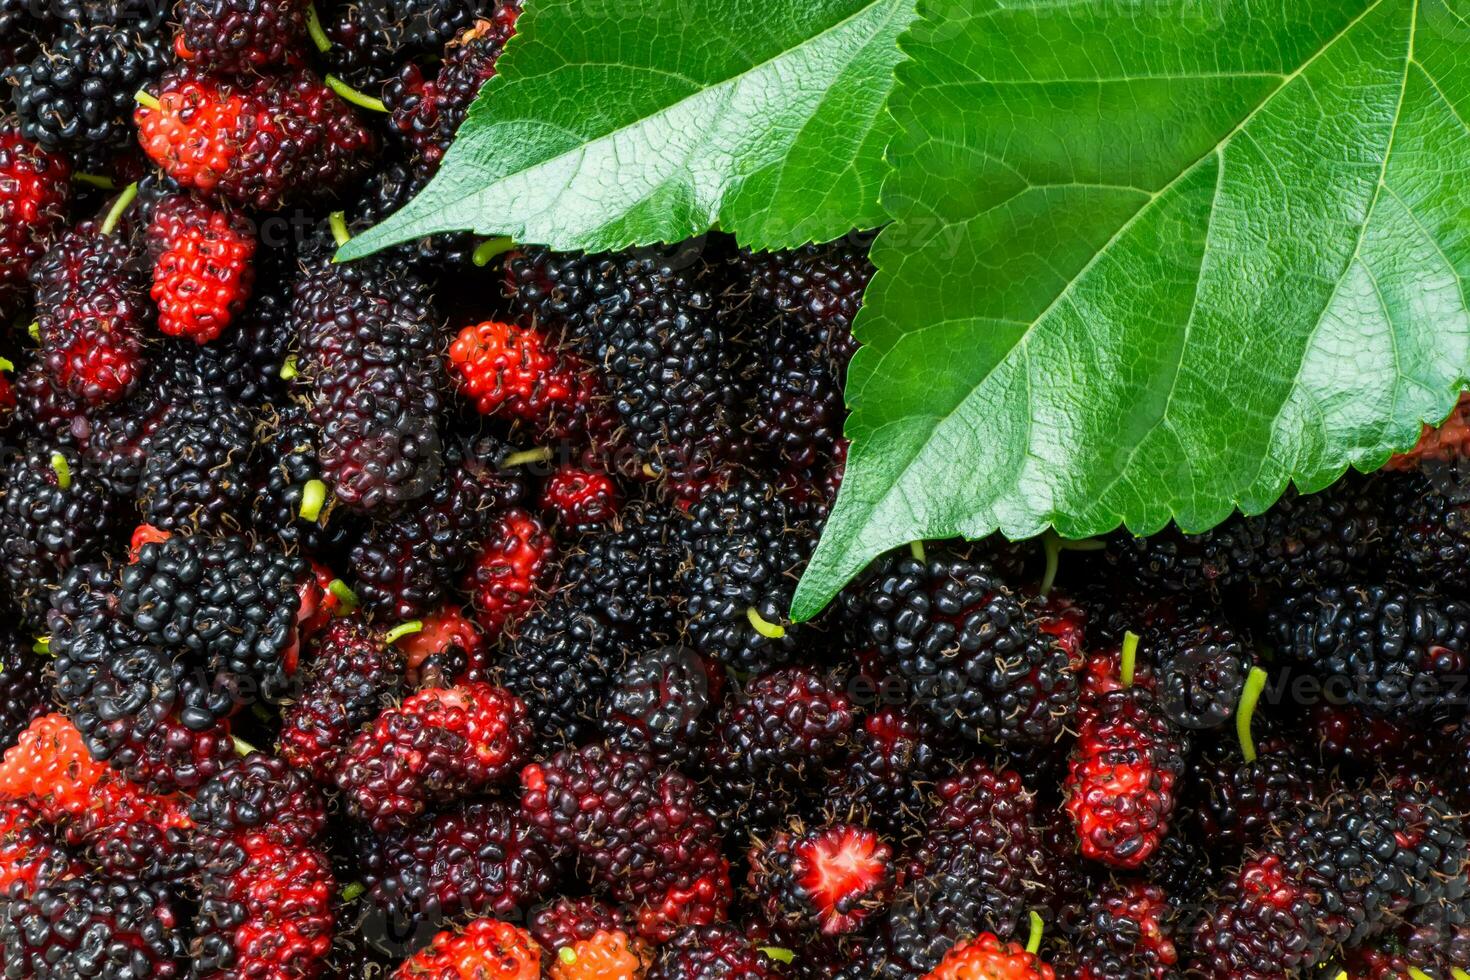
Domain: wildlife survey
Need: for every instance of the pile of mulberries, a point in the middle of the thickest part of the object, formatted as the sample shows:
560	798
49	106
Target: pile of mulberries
1331	878
429	615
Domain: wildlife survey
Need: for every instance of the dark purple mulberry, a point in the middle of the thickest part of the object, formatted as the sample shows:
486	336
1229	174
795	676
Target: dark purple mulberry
972	651
369	346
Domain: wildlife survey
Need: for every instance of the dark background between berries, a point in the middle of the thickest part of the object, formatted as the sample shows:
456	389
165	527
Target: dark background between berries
570	496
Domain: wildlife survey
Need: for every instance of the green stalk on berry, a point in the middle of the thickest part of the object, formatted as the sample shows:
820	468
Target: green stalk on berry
403	629
62	469
315	31
99	181
352	95
343	594
313	496
1054	544
1128	661
119	208
490	248
527	457
337	220
1250	695
770	630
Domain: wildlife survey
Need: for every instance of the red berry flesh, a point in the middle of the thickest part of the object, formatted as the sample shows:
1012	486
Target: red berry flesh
202	272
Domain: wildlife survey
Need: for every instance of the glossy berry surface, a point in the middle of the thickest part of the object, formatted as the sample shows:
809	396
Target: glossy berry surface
439	745
485	950
202	271
260	140
34	191
1121	779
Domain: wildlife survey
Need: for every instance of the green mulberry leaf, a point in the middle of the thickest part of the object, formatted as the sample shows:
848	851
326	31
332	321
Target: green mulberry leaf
1154	261
613	124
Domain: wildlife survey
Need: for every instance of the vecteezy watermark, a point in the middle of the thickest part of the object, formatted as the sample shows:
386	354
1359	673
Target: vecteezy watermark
669	700
1447	19
1287	684
1411	693
393	927
394	932
118	15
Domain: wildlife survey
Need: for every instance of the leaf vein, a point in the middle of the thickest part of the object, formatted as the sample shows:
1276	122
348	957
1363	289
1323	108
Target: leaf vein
1434	84
943	419
1362	235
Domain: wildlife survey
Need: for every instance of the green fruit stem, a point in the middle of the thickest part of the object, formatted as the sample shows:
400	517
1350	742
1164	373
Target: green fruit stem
313	495
315	31
344	594
337	220
766	628
96	180
242	747
540	454
490	248
1129	658
147	101
403	629
1250	695
62	469
1033	941
1054	544
353	95
916	548
119	208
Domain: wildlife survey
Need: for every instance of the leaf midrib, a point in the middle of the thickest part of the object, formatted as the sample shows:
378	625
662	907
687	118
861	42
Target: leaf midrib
1378	189
1021	341
1368	213
894	10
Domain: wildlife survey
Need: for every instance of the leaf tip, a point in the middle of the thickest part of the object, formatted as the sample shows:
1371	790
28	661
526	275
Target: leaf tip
808	601
804	606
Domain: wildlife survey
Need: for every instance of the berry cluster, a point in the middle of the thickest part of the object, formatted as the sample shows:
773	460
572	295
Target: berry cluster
428	616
